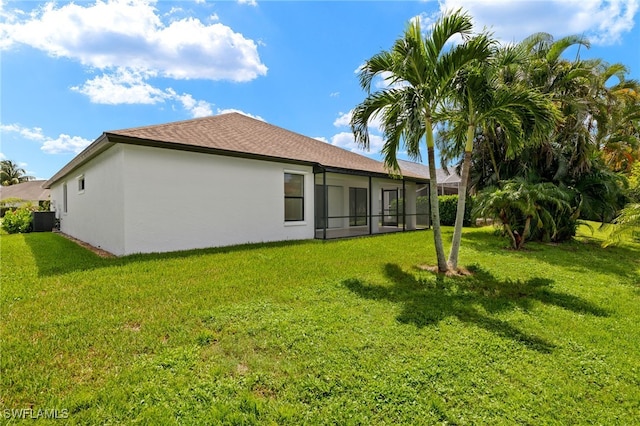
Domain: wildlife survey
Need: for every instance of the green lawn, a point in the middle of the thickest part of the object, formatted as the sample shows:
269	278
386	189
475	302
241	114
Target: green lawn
340	332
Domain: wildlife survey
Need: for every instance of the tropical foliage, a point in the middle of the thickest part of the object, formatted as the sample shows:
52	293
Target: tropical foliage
11	173
595	138
626	224
524	208
420	73
516	119
588	151
481	101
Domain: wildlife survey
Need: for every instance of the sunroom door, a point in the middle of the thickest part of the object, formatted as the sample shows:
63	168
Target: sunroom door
390	210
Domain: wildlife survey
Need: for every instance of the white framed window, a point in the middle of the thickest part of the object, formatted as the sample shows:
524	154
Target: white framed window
293	197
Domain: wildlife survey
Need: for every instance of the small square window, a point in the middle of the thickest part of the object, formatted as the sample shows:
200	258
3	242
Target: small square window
81	183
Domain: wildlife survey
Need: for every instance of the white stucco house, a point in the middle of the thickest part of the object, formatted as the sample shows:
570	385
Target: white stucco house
225	180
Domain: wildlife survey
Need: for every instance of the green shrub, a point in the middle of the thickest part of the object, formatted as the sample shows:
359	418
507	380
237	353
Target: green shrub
422	205
449	207
17	221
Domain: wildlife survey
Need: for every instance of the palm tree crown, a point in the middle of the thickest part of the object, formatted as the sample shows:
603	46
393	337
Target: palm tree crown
11	173
419	72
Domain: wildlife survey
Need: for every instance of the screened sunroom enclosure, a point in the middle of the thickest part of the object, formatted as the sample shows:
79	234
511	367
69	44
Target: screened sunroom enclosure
349	205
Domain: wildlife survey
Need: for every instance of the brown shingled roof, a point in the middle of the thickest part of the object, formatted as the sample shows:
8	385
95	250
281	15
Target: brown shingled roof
237	134
30	191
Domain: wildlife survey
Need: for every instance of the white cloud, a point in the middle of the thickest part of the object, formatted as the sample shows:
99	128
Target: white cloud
131	87
122	87
128	41
2	156
602	22
174	10
344	120
346	140
248	2
130	34
65	144
229	110
61	144
195	107
34	134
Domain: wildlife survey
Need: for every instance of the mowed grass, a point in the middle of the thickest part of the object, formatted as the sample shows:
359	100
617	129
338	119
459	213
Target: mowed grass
338	332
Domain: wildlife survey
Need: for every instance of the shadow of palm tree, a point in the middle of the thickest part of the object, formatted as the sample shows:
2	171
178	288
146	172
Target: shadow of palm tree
575	255
523	293
426	302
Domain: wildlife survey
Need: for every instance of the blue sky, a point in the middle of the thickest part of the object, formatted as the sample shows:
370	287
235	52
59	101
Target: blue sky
70	71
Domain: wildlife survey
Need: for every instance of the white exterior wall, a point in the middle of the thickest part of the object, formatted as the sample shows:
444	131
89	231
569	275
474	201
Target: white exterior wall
94	215
142	199
177	200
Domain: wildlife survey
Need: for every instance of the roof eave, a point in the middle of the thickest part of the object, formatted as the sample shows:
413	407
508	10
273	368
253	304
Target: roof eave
108	139
416	179
132	140
97	147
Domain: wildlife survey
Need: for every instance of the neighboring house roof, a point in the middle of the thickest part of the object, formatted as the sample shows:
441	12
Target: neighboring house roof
30	191
443	178
234	134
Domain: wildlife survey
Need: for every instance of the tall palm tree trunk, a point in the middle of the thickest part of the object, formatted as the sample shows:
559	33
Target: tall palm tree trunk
492	156
435	207
462	200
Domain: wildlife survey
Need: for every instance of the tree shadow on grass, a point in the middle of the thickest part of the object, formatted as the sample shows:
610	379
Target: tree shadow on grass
579	255
426	302
522	293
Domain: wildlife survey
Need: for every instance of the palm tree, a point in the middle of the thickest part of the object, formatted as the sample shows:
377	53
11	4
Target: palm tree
618	119
419	72
482	102
11	173
598	133
627	223
519	205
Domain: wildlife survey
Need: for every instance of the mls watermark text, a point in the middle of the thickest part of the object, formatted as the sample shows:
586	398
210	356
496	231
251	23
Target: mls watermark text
34	413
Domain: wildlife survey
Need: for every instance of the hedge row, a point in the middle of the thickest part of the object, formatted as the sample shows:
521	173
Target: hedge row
449	207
